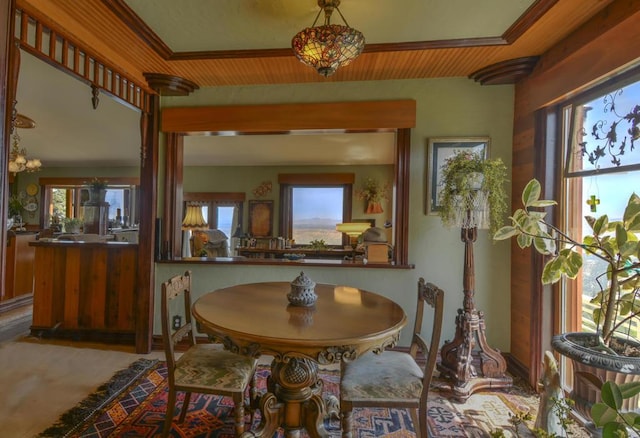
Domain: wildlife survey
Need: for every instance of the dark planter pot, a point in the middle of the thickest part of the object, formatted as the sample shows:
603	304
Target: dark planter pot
591	366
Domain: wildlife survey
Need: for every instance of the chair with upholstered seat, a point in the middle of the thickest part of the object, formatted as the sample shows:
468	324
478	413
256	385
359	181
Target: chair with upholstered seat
396	379
203	368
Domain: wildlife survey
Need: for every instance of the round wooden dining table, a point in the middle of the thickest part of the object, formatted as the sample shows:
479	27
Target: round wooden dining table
257	319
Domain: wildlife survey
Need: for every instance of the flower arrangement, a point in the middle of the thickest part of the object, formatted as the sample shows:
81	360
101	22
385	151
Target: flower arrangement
373	191
97	184
458	193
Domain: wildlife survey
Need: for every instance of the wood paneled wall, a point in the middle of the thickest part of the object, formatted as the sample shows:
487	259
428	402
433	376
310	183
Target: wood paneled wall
85	290
606	45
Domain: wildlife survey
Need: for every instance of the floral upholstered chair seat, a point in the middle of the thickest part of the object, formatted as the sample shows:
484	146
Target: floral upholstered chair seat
231	372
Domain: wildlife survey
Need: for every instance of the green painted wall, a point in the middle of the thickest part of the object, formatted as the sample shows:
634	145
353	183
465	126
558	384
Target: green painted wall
445	107
246	179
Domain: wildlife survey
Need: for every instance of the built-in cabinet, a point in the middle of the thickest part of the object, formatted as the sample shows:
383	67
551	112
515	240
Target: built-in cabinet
85	290
19	268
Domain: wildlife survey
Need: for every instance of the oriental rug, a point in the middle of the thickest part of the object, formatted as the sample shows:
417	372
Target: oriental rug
133	404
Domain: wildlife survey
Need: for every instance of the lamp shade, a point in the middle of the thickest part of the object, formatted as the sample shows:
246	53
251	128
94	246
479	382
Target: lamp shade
193	218
353	229
328	47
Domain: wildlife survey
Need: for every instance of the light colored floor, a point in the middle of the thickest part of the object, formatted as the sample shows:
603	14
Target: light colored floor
40	380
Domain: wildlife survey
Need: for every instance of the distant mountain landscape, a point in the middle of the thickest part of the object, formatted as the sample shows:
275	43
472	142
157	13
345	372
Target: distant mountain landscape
306	230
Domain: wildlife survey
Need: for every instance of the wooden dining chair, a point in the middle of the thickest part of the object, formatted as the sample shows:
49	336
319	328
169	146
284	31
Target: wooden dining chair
203	368
396	379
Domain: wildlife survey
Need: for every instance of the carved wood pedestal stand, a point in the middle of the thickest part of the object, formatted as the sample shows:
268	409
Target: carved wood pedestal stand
468	361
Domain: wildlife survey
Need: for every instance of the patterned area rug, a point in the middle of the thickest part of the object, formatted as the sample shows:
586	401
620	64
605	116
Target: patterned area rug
133	404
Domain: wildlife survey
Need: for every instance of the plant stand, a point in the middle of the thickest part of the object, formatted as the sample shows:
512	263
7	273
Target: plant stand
468	360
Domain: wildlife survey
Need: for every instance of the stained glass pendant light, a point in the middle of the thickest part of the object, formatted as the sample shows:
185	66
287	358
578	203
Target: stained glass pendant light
330	46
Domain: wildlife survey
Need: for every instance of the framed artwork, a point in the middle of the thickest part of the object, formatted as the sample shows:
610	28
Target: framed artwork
260	218
439	149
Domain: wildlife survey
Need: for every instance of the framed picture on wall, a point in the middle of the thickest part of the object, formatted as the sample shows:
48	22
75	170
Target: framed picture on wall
439	149
260	218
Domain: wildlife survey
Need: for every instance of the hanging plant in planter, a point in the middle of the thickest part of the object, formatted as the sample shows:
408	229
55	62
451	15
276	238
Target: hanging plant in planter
472	183
374	193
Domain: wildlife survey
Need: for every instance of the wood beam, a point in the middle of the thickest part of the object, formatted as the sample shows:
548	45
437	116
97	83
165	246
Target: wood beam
356	116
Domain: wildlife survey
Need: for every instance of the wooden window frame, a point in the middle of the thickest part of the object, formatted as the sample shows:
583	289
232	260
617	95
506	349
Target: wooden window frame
289	181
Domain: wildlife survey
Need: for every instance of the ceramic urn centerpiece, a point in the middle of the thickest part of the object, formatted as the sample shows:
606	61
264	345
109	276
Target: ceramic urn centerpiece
302	291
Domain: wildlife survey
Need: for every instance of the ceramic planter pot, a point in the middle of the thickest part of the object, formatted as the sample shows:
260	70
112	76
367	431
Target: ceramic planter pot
595	366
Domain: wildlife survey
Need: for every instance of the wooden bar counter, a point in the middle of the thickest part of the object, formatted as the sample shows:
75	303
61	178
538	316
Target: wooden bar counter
85	290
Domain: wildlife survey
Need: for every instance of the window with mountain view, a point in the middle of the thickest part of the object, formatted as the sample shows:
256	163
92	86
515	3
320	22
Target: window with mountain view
315	213
312	204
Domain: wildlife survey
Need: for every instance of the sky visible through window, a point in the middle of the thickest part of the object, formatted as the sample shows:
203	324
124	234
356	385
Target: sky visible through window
612	190
316	211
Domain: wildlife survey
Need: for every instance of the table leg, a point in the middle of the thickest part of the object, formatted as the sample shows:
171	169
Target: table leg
294	400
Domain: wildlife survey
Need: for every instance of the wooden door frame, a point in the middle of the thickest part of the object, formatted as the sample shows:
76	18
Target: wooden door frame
397	116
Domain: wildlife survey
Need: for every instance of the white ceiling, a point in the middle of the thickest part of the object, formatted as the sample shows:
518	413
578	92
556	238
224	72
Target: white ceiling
260	24
70	132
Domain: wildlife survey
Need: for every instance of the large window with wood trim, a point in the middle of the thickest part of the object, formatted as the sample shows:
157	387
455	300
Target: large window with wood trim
601	171
311	206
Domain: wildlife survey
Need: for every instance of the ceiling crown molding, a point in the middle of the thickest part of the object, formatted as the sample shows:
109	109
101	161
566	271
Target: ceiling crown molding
168	85
505	72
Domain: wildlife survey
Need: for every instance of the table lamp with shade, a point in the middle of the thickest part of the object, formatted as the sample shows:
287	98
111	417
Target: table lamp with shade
353	230
193	220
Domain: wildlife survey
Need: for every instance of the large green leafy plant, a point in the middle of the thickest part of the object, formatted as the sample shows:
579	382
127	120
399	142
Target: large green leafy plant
608	413
613	242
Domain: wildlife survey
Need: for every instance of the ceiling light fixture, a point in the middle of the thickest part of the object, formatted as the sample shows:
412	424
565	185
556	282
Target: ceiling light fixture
18	161
328	47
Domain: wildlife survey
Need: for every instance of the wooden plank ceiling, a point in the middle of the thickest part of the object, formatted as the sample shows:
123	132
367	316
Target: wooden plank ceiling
111	29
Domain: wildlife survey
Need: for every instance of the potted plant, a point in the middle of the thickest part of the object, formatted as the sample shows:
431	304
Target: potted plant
373	192
15	206
467	177
605	355
97	189
72	225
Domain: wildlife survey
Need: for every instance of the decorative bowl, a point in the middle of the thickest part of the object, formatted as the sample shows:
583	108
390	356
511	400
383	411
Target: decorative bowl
293	256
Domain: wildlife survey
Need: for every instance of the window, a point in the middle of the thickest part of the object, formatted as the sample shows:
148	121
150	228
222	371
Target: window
65	197
221	210
602	170
311	206
315	211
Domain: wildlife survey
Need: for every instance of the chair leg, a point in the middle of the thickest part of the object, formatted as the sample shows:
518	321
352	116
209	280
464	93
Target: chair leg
185	407
419	424
168	418
238	401
347	420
